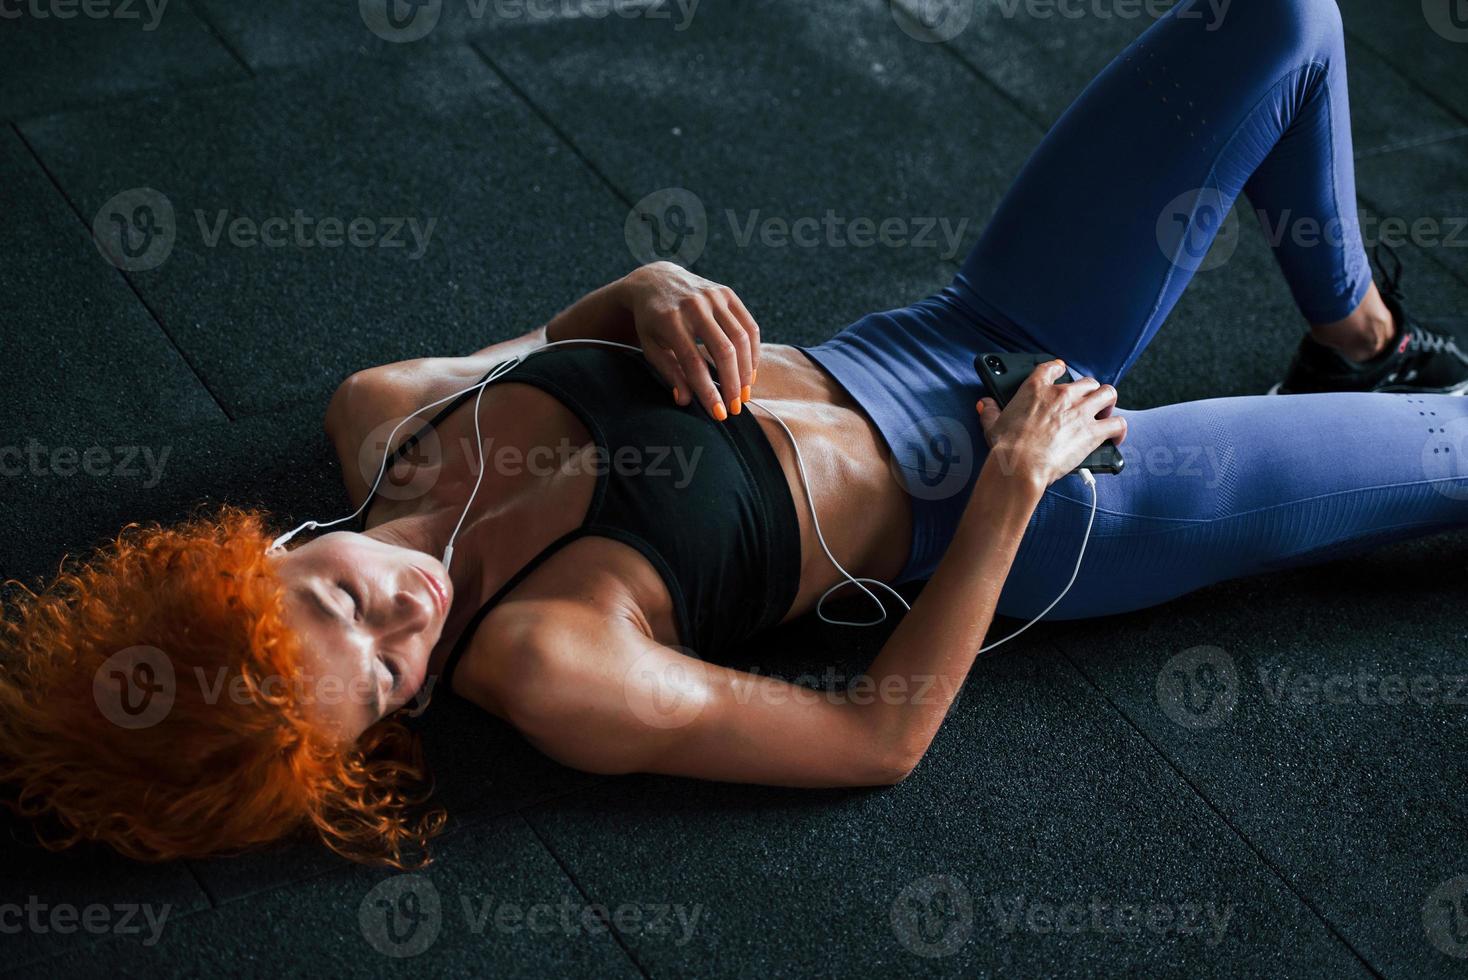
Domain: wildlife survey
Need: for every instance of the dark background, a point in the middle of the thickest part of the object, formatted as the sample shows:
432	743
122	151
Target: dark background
1332	835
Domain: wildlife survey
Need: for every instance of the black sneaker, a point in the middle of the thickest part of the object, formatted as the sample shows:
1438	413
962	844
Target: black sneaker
1419	359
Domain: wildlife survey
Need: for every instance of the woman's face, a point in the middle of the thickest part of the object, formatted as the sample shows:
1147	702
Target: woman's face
368	614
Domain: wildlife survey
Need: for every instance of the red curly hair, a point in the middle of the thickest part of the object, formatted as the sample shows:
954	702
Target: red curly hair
218	772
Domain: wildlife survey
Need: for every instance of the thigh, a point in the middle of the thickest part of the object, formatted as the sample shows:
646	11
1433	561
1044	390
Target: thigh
1225	487
1116	209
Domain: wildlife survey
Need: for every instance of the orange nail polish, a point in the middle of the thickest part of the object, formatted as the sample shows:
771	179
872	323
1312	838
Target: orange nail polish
734	407
676	396
744	393
719	412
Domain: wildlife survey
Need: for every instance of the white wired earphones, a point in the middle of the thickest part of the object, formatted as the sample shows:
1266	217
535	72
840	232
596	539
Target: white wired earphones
503	367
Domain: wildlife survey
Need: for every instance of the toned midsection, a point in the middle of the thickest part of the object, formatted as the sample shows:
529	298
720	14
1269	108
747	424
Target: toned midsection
865	515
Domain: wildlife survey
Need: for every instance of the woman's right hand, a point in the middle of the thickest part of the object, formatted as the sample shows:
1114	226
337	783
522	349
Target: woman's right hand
1049	429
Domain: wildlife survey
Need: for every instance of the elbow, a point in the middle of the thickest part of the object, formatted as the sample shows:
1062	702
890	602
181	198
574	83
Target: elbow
892	766
345	401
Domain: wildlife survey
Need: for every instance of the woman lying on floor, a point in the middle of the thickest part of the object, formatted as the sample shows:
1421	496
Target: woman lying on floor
583	601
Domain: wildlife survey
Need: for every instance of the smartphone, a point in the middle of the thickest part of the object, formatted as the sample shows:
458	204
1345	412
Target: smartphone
1002	374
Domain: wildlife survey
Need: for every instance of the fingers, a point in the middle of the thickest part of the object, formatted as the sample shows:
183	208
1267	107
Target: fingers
751	331
726	363
1098	399
1047	373
665	362
696	370
735	390
1113	428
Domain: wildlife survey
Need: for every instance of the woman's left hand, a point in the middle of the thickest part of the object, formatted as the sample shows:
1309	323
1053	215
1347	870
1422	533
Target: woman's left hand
674	310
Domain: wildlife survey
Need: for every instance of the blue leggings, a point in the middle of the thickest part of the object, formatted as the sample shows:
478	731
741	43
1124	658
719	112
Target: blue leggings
1086	256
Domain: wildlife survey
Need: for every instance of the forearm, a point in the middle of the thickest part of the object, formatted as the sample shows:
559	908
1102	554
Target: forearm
930	653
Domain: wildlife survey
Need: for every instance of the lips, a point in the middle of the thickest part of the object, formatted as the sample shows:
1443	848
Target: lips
436	589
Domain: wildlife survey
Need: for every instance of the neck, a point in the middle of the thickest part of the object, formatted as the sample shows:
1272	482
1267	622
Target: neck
429	532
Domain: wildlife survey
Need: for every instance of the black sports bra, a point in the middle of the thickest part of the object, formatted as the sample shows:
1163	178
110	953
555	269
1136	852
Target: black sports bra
705	502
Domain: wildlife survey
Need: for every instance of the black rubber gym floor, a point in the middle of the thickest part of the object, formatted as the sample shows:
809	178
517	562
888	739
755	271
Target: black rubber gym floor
1265	778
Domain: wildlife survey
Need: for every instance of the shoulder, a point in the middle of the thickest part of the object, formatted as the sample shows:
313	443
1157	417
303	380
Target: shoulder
526	655
369	403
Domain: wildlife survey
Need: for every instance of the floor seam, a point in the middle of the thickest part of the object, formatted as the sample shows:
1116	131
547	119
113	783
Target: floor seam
218	35
1218	812
1408	144
1421	89
152	313
612	929
550	123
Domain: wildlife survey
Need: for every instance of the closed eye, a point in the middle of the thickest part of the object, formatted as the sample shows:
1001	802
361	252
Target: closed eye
352	595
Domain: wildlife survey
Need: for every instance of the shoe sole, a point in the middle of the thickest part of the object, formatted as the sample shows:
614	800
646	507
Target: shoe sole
1458	390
